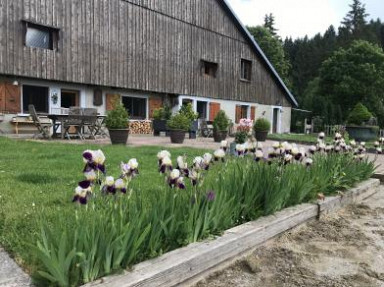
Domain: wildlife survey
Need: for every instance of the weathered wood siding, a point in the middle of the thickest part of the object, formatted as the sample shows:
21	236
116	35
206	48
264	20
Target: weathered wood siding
151	45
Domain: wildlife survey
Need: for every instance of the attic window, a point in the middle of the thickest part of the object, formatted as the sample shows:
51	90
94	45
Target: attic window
209	68
246	70
39	36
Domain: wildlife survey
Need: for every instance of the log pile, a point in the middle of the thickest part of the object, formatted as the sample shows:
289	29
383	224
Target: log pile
143	127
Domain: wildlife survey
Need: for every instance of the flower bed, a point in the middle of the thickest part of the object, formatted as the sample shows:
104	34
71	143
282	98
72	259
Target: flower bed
118	223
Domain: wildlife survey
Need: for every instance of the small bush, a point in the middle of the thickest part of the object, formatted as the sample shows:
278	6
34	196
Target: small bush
262	125
188	111
162	113
221	121
179	121
118	117
241	136
359	115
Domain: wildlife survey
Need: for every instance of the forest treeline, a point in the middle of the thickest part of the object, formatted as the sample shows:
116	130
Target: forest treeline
334	70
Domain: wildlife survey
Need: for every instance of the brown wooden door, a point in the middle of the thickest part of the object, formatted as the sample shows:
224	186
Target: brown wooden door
10	99
214	109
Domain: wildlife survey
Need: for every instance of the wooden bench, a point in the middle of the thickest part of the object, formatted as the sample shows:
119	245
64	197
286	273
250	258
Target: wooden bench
25	122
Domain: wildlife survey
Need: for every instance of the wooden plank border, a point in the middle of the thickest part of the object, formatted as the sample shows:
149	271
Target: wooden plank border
189	264
357	194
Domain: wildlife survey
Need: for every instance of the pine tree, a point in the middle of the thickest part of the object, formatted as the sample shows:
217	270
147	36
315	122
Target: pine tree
269	23
355	21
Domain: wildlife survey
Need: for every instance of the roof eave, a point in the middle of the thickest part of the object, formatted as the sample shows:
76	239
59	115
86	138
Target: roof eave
260	52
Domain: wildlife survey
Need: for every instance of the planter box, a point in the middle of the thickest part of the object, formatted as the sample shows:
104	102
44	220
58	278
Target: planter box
177	136
193	129
219	136
159	126
190	264
118	136
362	133
261	136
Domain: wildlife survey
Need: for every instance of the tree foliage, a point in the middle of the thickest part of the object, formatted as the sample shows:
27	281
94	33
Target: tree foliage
273	49
331	90
269	23
355	75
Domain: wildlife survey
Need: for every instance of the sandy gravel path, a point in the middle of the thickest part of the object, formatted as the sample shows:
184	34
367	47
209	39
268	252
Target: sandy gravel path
344	249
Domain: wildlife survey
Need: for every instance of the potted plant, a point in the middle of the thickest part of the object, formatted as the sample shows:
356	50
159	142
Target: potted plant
117	122
220	126
160	118
361	124
188	111
178	125
261	128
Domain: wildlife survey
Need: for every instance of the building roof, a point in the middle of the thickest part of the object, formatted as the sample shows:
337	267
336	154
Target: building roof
258	51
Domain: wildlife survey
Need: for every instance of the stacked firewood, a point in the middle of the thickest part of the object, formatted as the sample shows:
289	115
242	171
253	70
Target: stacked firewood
143	127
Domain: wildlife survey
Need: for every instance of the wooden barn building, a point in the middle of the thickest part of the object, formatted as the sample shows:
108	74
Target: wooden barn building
61	53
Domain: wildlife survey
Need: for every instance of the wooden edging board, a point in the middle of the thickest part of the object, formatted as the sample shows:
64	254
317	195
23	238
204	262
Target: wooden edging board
185	265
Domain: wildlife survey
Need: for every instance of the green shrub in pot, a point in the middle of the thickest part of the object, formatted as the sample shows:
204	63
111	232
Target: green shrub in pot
261	128
177	125
361	124
220	126
359	115
117	122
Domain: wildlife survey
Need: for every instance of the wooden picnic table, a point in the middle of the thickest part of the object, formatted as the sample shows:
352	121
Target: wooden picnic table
59	119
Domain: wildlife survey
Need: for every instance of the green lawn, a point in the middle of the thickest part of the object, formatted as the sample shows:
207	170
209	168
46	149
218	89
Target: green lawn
305	138
78	244
299	138
40	178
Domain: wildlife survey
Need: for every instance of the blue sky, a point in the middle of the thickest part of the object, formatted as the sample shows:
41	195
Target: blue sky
298	18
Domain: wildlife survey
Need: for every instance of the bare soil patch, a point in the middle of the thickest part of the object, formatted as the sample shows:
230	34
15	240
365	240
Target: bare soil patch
344	249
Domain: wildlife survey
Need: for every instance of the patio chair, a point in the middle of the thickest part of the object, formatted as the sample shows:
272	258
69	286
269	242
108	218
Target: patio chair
90	121
75	121
43	129
206	130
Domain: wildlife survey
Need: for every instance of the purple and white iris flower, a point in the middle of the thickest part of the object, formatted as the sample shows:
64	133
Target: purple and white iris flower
129	169
165	164
207	160
94	160
224	145
176	180
109	185
259	155
219	154
240	149
82	192
182	165
198	163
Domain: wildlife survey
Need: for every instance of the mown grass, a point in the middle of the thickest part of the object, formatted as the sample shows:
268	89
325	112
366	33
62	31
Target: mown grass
77	244
38	180
297	138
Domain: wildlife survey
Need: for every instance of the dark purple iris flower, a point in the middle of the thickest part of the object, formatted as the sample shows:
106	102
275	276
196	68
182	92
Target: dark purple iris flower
172	182
180	185
101	167
211	195
298	156
164	168
111	189
81	200
88	156
123	190
84	184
